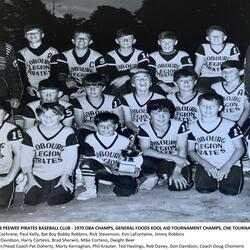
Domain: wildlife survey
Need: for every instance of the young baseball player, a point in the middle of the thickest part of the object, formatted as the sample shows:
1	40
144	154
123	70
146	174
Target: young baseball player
10	141
163	63
86	107
74	64
163	141
121	62
216	145
34	61
48	92
211	55
232	88
49	156
185	99
135	103
102	153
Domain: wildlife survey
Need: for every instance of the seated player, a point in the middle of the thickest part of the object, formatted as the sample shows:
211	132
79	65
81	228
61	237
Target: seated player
49	156
163	141
216	145
135	103
102	152
10	154
232	88
48	92
185	99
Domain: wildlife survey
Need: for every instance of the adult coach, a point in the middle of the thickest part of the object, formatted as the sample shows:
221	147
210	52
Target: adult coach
10	82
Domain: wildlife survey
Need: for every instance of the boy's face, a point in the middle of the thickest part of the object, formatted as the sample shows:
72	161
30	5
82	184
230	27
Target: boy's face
50	118
126	41
3	115
186	83
141	81
167	44
230	74
160	117
94	90
49	95
81	40
216	37
34	36
209	108
106	128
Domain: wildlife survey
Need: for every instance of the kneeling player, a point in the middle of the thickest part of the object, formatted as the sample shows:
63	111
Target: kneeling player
163	141
104	153
10	141
49	155
216	144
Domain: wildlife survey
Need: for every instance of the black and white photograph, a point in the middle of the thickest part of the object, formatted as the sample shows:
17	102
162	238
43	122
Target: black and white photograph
125	111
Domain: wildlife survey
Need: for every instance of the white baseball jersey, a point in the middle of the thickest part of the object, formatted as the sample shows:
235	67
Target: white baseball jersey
213	59
78	67
168	142
234	101
138	110
37	63
166	65
108	149
185	111
9	134
215	146
108	104
49	152
30	110
122	63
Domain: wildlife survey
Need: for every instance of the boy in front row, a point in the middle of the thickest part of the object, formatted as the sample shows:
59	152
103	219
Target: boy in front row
102	153
216	145
163	141
45	158
10	141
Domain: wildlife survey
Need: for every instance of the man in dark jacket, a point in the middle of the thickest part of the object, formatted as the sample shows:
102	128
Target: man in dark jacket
10	82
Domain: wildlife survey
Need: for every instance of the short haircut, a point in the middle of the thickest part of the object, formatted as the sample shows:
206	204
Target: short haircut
140	71
55	107
83	31
4	105
50	83
124	32
32	27
211	96
231	64
167	35
94	78
185	72
106	116
161	105
217	28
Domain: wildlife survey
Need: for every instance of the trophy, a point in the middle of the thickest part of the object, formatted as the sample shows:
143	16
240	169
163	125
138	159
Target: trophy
130	161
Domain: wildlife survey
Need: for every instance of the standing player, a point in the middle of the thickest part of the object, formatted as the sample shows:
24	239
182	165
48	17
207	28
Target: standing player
34	61
185	99
74	64
163	63
48	92
135	103
49	156
10	141
211	55
216	145
120	63
163	141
